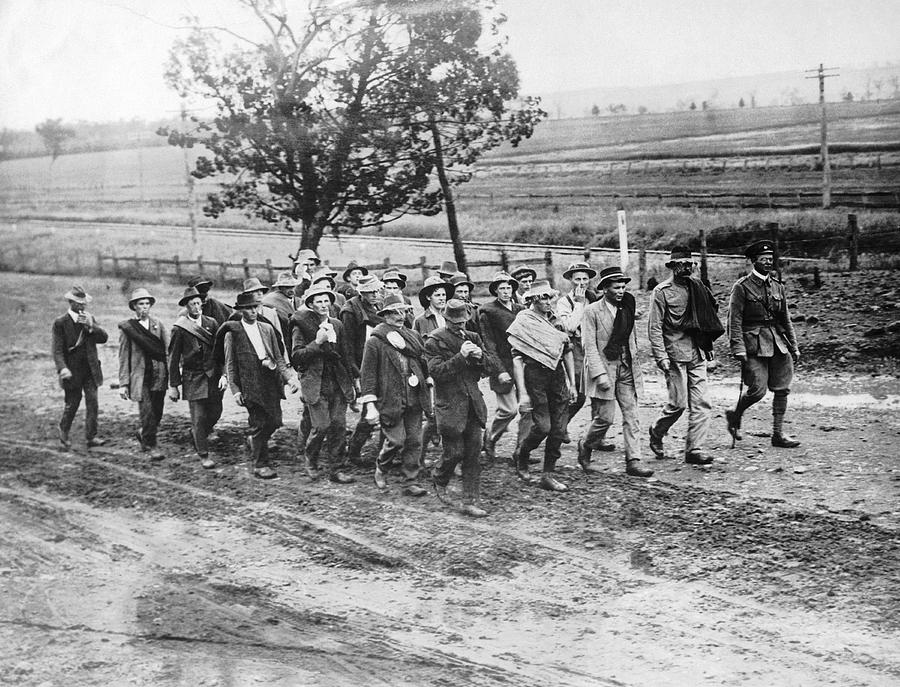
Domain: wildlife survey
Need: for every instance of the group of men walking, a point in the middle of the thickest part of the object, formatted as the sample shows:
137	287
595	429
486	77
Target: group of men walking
415	381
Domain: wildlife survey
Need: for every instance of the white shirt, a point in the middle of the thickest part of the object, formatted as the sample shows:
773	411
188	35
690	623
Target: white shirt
612	307
438	318
255	337
73	315
145	324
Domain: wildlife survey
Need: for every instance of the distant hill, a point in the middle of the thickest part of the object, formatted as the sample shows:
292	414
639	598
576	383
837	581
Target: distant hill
761	90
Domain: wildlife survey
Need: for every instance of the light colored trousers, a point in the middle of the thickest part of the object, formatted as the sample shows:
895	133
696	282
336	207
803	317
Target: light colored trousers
603	413
686	383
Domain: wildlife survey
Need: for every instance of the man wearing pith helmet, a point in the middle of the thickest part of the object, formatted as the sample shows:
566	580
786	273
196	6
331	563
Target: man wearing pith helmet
682	327
762	338
75	337
319	354
194	368
143	372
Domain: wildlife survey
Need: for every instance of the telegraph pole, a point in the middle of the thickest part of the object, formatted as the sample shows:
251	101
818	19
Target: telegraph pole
190	184
826	164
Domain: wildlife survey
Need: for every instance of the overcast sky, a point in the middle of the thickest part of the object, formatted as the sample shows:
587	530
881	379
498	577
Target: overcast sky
102	59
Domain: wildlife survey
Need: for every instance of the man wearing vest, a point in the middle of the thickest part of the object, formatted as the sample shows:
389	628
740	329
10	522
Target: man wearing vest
143	374
762	338
74	345
256	375
612	372
193	367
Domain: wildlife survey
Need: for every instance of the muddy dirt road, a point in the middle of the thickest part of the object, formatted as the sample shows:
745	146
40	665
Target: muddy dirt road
770	567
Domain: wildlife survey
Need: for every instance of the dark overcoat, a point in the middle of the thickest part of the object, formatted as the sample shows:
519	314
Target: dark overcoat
308	357
384	376
81	360
192	363
494	320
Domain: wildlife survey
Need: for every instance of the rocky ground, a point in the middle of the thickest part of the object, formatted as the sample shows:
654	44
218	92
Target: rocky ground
771	566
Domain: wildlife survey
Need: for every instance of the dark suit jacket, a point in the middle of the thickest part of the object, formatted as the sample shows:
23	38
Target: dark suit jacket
355	316
308	357
384	381
456	379
494	320
192	364
83	360
246	374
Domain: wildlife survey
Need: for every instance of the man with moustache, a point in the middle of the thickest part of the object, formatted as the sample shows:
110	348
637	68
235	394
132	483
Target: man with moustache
318	353
75	336
143	374
612	371
393	282
193	367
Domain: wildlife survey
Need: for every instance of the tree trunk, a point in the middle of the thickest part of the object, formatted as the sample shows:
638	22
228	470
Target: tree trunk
459	252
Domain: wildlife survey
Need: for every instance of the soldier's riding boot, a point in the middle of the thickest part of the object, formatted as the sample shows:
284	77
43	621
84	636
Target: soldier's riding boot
779	407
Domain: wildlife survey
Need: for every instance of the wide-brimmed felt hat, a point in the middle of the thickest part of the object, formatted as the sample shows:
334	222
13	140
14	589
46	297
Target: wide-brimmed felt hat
612	274
448	267
189	293
523	270
431	285
318	290
286	279
394	275
199	280
77	294
757	248
247	299
457	311
254	284
309	255
460	278
323	275
679	254
353	265
502	278
138	294
580	267
368	283
394	303
541	287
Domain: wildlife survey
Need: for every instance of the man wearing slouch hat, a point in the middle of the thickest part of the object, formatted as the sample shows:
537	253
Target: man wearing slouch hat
143	375
193	367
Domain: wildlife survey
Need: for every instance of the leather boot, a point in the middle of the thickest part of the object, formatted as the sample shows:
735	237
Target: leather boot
734	424
698	457
656	445
584	458
633	468
782	441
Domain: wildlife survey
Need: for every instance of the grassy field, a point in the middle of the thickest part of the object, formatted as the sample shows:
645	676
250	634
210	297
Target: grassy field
570	159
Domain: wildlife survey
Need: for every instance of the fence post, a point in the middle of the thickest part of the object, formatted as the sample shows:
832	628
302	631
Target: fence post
115	261
246	264
642	266
387	263
177	267
269	270
853	236
548	267
223	272
817	277
704	266
587	254
774	234
157	269
99	263
504	260
200	265
423	267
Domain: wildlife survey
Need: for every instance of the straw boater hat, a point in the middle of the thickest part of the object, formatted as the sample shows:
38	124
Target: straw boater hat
523	270
368	283
502	278
138	294
199	280
318	290
580	267
754	250
612	274
679	254
247	299
457	311
394	303
447	269
395	276
353	265
189	293
286	279
540	288
78	295
431	285
254	284
461	278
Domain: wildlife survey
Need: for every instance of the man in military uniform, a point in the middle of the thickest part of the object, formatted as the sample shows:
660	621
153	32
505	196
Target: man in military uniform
762	338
